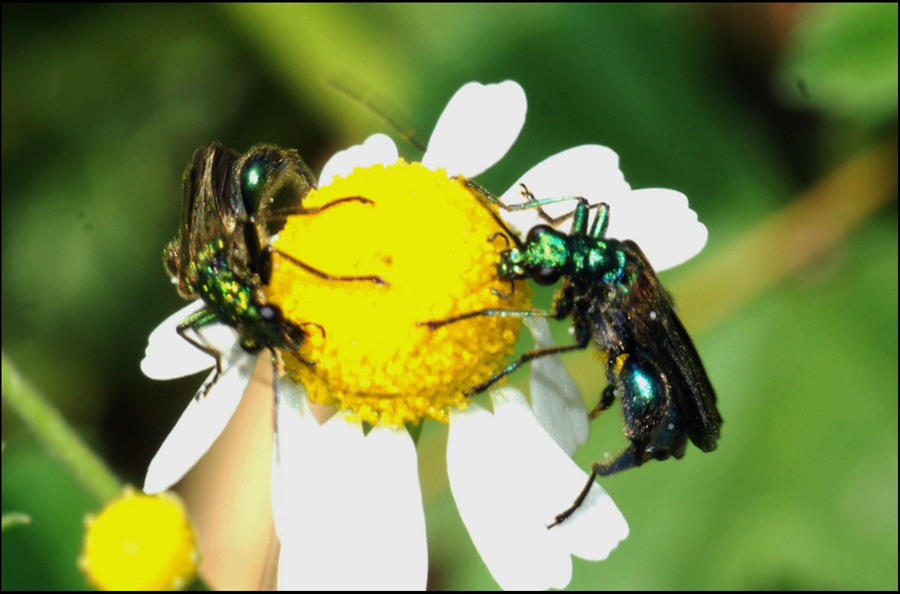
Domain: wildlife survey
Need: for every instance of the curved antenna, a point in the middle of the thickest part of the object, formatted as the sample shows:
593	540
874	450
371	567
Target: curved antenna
364	96
499	234
319	326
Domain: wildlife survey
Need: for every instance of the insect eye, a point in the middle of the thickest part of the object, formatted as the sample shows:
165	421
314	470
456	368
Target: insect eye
547	275
534	235
271	178
254	177
271	313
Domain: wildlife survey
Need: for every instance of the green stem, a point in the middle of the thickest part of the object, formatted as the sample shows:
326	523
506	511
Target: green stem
57	435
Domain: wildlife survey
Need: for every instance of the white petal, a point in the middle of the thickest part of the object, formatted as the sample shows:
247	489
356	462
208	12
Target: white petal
478	127
555	398
293	420
377	148
356	520
510	479
658	220
661	223
199	426
590	171
169	356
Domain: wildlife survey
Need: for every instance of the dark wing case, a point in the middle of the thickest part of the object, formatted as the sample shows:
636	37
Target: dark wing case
651	323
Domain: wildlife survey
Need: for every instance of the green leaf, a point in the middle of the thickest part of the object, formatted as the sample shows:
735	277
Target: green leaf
843	60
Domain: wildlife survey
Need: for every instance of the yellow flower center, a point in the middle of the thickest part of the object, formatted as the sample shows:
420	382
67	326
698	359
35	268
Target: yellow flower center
427	236
140	542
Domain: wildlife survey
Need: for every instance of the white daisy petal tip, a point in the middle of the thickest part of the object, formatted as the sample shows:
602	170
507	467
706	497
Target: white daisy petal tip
595	529
378	148
659	220
477	128
662	223
589	171
530	480
199	426
169	356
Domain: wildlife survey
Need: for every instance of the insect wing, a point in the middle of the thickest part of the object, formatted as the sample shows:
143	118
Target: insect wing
210	208
651	323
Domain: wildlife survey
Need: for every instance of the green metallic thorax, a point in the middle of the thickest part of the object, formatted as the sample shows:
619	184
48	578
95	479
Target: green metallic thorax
234	298
585	259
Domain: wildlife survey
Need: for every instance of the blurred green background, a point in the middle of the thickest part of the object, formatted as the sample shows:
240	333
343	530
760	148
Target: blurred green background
743	108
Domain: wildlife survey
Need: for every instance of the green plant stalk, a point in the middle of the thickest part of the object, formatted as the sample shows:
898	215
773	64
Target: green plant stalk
57	435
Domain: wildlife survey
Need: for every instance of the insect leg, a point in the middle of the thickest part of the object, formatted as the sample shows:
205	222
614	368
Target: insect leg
194	322
606	400
304	210
261	257
492	203
497	313
580	212
532	202
623	461
529	356
375	279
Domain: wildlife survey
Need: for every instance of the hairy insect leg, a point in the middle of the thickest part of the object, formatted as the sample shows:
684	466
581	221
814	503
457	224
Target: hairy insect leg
261	256
625	460
194	322
580	213
306	210
531	201
607	397
601	221
324	275
492	202
497	313
529	356
268	250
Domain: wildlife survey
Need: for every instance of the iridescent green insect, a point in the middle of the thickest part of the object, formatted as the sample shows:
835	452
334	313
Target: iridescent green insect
221	253
616	301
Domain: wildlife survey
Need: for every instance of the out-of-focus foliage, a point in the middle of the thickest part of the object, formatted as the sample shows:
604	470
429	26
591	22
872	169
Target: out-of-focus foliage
740	107
843	60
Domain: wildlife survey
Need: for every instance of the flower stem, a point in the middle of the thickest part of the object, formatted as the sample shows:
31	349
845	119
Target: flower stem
57	435
792	238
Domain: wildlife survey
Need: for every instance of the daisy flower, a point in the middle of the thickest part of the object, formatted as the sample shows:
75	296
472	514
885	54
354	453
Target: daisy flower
140	542
347	501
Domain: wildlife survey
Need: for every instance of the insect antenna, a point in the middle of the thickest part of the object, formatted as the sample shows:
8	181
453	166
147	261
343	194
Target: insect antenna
366	97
